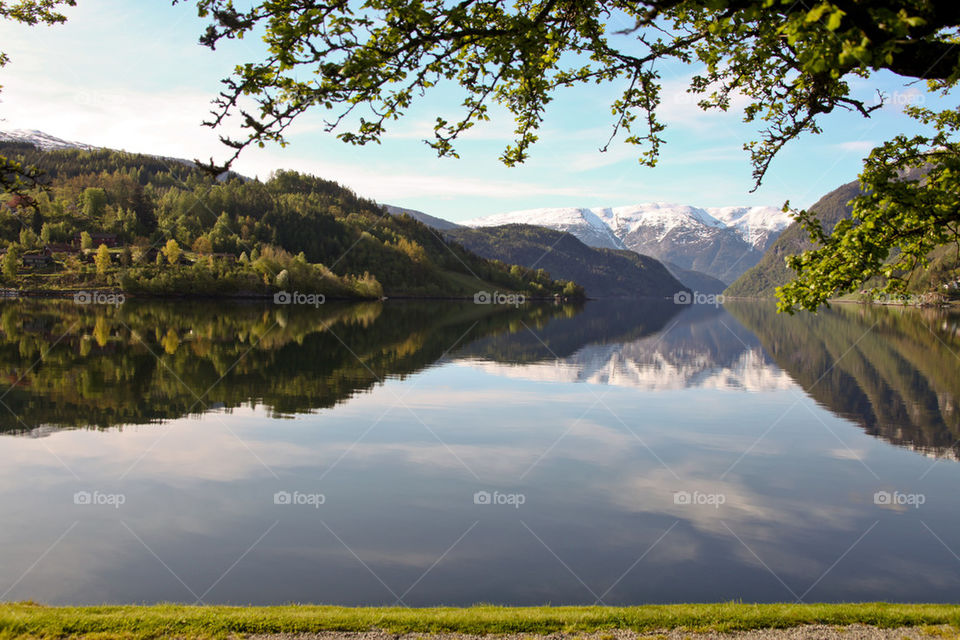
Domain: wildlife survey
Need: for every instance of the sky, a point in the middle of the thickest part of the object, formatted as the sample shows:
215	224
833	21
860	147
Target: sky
131	75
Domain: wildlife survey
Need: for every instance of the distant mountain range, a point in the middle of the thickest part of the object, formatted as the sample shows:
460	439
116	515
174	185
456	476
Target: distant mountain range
722	242
701	249
719	242
602	272
757	226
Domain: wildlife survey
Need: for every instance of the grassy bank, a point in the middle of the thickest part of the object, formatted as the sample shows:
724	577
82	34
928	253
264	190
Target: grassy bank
134	622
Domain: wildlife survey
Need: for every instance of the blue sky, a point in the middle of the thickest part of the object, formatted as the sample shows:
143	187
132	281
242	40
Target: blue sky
132	76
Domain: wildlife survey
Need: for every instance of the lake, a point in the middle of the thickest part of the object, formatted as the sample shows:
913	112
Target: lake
422	453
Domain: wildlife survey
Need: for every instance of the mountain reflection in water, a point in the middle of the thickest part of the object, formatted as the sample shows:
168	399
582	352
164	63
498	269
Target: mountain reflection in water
892	371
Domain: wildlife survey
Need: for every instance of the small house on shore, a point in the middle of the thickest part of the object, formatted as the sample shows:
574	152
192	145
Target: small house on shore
62	247
109	239
41	259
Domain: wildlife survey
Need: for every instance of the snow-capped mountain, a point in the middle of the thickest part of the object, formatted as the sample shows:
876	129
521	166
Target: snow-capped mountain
658	215
722	242
48	142
585	224
759	226
43	140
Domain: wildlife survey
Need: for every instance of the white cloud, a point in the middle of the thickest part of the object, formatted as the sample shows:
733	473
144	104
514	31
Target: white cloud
135	78
168	123
679	107
393	187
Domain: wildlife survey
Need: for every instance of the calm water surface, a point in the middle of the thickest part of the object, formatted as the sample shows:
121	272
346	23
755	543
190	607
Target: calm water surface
454	453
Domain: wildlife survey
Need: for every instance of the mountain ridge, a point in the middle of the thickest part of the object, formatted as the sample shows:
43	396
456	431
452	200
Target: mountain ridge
602	272
431	221
771	271
702	248
721	242
938	276
755	224
43	140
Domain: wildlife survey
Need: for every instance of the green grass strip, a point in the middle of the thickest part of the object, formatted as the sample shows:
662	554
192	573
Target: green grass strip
28	620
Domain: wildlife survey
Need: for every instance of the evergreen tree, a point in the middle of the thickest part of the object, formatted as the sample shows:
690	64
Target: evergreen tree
94	202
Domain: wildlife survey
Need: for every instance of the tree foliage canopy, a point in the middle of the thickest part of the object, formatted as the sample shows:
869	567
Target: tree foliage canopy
15	178
323	235
365	64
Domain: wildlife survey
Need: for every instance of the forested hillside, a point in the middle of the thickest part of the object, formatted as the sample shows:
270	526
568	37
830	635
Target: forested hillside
155	225
762	280
602	272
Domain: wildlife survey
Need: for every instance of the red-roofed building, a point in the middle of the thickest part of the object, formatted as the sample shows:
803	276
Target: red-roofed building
20	202
109	239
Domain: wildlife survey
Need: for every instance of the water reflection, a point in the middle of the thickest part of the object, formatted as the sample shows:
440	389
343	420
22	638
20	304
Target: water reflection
895	372
658	350
892	371
400	414
71	365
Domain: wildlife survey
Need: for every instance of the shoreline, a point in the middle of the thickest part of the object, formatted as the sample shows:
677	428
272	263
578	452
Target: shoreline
64	294
251	296
867	303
